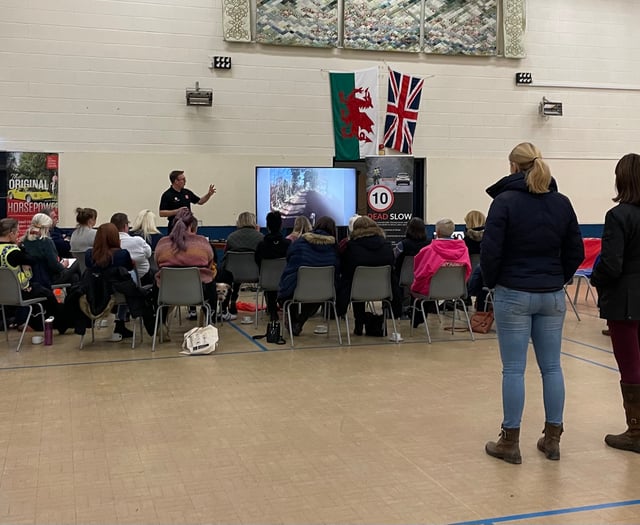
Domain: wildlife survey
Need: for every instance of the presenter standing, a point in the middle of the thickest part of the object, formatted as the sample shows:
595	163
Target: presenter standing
177	197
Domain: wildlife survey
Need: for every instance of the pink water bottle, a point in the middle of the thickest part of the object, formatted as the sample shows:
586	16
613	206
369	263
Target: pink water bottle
48	331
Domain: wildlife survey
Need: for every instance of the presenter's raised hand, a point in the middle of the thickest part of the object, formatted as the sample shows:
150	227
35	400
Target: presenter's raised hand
212	189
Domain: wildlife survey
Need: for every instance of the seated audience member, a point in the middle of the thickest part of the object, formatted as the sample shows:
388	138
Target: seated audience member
83	236
476	288
315	248
144	226
367	246
12	257
59	238
473	230
184	248
273	246
415	238
245	239
37	244
139	250
108	258
342	245
301	226
442	251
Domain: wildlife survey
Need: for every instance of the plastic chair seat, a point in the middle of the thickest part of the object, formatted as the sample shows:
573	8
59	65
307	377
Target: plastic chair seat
372	283
315	284
448	284
269	278
179	287
11	295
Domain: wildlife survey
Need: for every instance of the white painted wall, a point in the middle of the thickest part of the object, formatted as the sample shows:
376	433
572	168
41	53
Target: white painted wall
103	82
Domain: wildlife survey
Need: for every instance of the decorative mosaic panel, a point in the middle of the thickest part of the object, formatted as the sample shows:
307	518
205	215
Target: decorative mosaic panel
514	24
460	27
382	25
311	23
236	20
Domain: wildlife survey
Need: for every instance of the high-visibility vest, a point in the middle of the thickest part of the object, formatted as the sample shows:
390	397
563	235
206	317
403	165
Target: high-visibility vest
24	275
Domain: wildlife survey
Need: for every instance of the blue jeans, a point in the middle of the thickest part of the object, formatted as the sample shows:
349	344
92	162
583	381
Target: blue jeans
520	315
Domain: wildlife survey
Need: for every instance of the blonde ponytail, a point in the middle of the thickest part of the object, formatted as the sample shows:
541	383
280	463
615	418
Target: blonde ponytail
529	160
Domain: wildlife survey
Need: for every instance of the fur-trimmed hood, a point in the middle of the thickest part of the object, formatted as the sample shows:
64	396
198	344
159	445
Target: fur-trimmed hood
318	237
367	232
475	234
316	248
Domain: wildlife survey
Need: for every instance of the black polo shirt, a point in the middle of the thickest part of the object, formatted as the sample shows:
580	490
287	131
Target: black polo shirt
173	200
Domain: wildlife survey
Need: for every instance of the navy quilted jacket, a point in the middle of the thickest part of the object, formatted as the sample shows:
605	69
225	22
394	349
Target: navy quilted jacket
316	248
531	242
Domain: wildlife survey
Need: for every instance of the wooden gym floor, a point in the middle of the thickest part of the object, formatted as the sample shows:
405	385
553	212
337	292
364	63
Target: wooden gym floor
258	433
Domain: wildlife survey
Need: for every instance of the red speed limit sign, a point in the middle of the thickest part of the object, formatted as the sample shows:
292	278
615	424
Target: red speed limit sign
380	198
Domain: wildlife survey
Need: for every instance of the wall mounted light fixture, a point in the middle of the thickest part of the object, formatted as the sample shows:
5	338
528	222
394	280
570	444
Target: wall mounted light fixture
199	97
550	109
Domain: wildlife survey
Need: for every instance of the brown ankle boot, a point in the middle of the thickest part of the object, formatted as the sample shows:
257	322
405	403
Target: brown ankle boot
507	447
550	442
629	440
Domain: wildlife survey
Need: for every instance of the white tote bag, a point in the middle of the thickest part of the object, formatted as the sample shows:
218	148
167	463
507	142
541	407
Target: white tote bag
200	340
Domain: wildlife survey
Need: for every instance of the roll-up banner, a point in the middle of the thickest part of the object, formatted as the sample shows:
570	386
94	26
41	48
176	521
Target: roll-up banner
390	193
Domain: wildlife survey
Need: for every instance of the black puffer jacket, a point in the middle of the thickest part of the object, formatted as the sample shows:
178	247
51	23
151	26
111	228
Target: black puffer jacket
473	238
274	246
410	248
617	274
365	248
531	242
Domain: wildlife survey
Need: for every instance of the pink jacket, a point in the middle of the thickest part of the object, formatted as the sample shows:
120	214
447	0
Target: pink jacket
432	257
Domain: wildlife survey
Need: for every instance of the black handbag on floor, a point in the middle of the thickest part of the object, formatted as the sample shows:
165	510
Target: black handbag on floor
373	324
274	333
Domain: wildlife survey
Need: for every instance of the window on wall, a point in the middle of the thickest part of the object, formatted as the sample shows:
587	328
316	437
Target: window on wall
466	27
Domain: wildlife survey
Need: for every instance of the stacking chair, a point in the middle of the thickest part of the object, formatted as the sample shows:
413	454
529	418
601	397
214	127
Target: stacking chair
572	303
244	269
121	300
179	287
269	279
11	295
80	260
153	264
489	299
448	284
118	299
580	276
315	284
592	248
371	283
406	271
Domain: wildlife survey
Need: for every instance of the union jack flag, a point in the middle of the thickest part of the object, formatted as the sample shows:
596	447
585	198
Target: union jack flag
403	103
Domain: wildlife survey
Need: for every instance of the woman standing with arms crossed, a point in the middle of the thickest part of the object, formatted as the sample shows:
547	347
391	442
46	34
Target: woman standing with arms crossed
618	282
530	248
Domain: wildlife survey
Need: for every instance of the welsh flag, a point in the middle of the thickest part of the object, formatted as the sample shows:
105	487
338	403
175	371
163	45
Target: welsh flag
354	103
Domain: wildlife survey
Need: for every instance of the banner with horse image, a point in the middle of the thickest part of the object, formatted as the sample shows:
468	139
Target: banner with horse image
31	185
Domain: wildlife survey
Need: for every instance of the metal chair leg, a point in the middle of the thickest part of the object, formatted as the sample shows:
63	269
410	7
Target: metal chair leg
573	306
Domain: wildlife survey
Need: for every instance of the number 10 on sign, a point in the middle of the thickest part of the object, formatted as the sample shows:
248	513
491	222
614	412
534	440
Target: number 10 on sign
380	198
